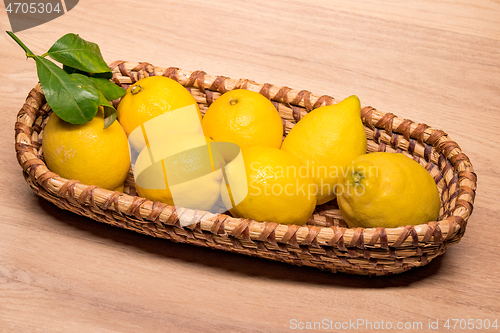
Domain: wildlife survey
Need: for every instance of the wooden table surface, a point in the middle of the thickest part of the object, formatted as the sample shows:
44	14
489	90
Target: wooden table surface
436	62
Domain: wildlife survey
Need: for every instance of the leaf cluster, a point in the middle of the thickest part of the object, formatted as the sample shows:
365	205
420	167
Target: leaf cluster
75	91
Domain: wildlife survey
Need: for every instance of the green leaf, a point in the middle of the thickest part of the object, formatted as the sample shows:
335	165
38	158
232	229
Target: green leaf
73	51
110	90
71	70
101	81
110	113
71	97
107	75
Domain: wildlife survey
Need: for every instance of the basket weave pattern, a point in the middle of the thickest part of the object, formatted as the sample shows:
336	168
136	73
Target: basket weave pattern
324	242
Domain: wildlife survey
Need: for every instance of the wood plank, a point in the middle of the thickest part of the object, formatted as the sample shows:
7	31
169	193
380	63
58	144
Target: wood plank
430	61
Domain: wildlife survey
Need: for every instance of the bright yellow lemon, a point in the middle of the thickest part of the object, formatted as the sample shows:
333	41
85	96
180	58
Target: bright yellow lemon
327	140
187	174
151	97
245	118
388	190
276	185
88	153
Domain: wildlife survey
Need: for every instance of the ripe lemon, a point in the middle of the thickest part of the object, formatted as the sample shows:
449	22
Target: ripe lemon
186	173
151	97
276	185
245	118
388	190
327	140
88	153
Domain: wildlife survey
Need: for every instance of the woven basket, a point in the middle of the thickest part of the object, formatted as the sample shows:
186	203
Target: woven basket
324	242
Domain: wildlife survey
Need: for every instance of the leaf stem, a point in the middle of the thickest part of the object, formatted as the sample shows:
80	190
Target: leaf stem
21	44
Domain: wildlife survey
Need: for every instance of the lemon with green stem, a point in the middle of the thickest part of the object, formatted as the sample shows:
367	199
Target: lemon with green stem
387	190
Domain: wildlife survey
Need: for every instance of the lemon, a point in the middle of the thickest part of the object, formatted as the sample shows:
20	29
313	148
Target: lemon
184	173
245	118
151	97
276	185
327	140
388	190
88	153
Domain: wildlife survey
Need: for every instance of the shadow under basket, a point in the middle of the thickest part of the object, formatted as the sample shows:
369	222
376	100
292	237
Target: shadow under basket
324	242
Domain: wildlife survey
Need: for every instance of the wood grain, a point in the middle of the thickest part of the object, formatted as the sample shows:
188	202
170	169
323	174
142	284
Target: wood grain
431	61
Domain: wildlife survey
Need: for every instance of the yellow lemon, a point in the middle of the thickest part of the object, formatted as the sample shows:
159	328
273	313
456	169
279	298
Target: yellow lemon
154	96
184	171
245	118
388	190
276	185
327	140
88	153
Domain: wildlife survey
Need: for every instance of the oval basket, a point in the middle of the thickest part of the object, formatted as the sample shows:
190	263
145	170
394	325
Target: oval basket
324	242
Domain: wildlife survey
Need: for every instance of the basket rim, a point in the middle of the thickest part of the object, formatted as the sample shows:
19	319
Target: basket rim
37	174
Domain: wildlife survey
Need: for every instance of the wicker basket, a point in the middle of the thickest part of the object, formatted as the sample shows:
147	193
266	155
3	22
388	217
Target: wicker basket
325	242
